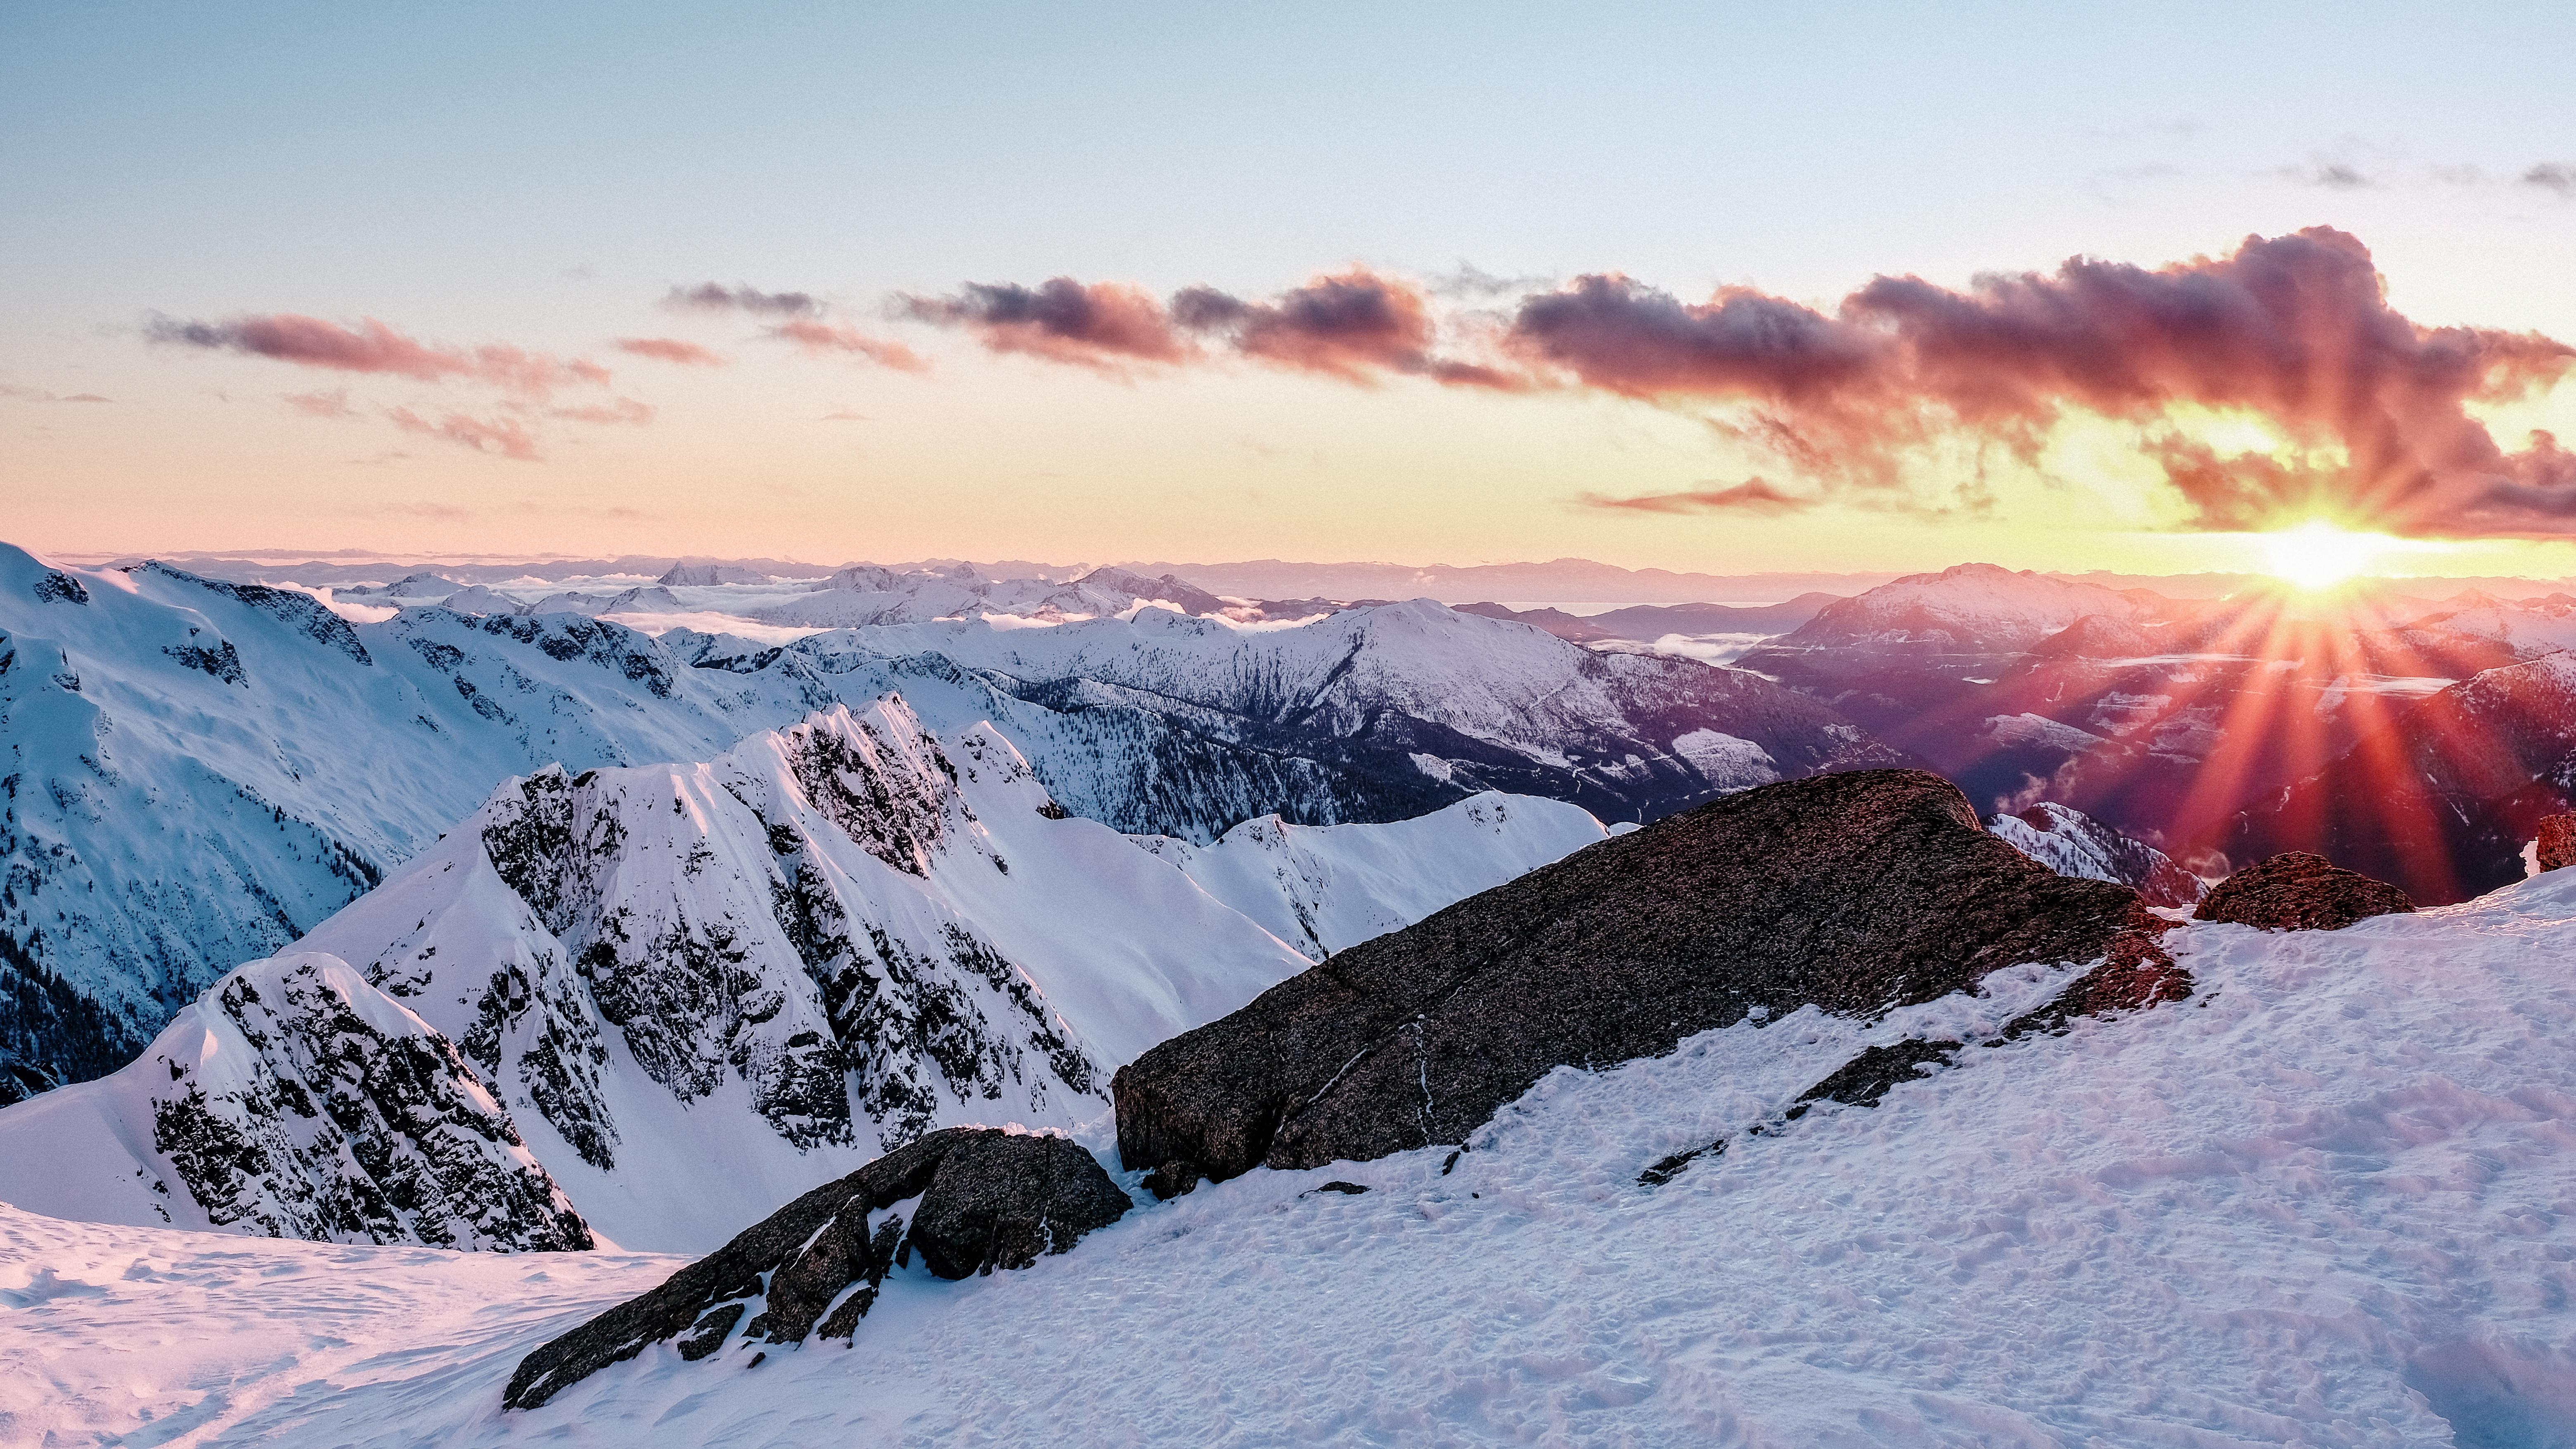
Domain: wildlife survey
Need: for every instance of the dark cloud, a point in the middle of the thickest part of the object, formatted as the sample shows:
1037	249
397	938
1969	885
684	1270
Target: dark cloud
1753	495
1107	326
2375	416
2295	330
716	297
2558	176
1357	327
371	346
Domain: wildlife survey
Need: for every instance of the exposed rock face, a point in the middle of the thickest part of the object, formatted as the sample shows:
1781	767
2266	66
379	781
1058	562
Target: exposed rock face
2557	843
979	1198
2070	842
2296	891
294	1100
1851	892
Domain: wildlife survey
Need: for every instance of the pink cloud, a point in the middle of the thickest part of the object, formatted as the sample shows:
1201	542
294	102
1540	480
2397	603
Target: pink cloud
670	349
372	346
824	337
504	437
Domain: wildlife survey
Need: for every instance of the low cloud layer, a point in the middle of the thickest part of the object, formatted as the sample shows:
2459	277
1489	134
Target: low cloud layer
2362	414
371	346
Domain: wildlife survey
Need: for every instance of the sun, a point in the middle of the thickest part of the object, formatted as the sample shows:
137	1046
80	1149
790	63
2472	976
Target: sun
2318	555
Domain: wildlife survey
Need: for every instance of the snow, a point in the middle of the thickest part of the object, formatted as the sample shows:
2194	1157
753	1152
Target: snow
2325	1202
1326	888
1729	762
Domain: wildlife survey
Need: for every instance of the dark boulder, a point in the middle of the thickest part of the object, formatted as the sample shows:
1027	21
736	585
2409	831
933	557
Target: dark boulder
2556	847
987	1199
2296	891
1854	892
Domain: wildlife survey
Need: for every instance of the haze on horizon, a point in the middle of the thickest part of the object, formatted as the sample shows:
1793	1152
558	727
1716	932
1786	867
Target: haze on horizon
1710	289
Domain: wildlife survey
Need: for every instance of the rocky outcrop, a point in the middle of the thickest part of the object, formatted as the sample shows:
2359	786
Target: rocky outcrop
2556	846
975	1199
2296	891
1854	892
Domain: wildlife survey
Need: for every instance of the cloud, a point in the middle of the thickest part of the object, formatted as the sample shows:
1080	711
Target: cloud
1356	326
38	394
843	415
2359	413
670	349
2332	175
819	338
333	403
2558	176
1469	282
716	297
83	397
371	346
2373	409
1105	325
504	437
1753	495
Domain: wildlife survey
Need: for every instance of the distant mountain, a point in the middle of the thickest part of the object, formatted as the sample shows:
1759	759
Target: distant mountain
1565	579
1646	623
1421	690
202	771
2441	798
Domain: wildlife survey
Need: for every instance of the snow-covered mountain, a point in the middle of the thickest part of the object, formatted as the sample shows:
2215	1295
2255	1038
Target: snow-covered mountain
2322	1203
1971	608
700	988
294	1100
200	771
2072	843
1464	700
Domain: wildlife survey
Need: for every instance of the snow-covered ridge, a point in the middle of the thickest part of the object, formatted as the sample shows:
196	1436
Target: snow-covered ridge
699	988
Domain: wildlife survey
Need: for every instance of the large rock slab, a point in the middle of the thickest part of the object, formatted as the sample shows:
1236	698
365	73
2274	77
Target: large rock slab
2297	891
1853	892
987	1199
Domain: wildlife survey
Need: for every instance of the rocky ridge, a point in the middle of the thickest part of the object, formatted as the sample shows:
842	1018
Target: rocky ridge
1854	892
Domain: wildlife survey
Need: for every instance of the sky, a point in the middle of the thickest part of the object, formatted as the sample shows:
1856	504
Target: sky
1726	288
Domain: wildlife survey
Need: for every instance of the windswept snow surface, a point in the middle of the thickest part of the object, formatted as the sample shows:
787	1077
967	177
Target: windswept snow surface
2324	1202
1326	888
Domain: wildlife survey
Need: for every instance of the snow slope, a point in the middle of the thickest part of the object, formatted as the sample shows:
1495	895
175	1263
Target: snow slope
1323	888
2322	1203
